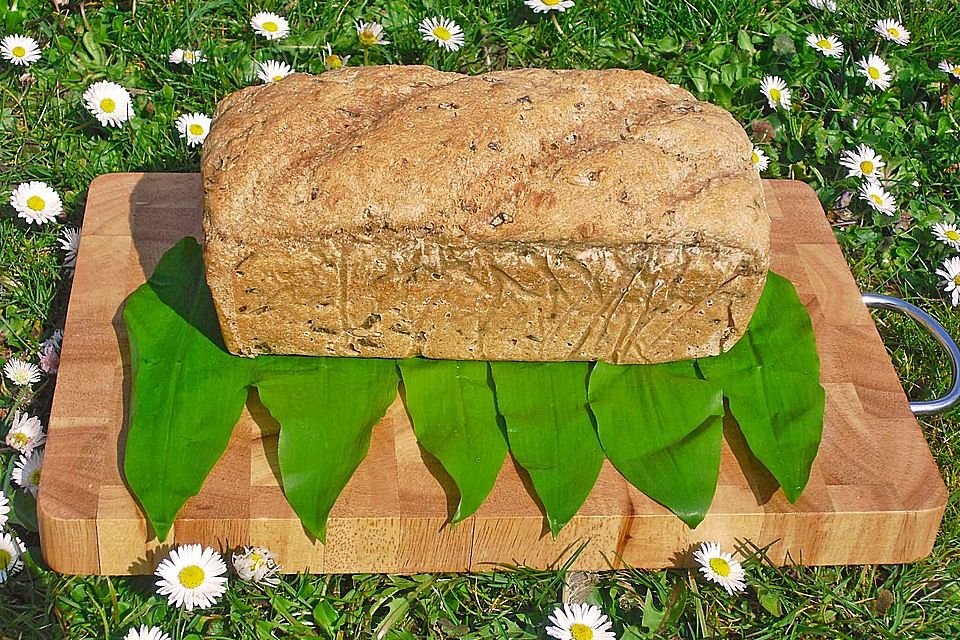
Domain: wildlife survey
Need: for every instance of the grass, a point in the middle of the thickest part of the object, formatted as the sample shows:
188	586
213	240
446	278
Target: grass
719	49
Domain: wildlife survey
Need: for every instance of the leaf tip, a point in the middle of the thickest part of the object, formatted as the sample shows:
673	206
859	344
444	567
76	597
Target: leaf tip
555	528
792	493
692	520
318	531
162	528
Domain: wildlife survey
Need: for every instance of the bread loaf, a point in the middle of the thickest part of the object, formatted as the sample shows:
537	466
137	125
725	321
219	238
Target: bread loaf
519	215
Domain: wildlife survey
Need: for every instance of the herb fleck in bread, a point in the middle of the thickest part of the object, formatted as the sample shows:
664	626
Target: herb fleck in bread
518	215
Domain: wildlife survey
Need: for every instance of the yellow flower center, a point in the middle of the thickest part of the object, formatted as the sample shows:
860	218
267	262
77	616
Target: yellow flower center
551	3
35	477
334	61
775	93
195	129
188	56
19	52
952	235
36	203
874	73
876	198
893	31
866	167
956	70
442	32
191	576
755	158
823	43
6	559
270	26
21	439
581	631
368	38
956	279
107	105
277	77
720	566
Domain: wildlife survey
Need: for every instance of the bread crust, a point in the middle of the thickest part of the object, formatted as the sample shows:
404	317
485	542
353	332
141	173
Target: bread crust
518	215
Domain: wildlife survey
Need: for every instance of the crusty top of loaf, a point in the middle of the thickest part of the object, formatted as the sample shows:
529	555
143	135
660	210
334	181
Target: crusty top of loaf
605	157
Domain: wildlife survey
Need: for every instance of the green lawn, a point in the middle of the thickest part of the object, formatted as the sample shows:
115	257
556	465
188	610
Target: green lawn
718	49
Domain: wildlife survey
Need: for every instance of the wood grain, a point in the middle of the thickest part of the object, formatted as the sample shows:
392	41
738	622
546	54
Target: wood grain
875	494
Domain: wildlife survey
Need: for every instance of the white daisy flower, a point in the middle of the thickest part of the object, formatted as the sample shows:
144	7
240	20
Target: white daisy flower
189	56
49	359
257	565
444	31
26	472
947	233
192	576
11	555
948	67
720	567
19	50
950	270
543	6
4	509
862	162
20	373
876	71
892	30
829	5
580	622
829	46
70	242
194	127
26	433
370	33
273	70
759	159
36	202
109	103
776	92
146	633
877	197
333	61
270	25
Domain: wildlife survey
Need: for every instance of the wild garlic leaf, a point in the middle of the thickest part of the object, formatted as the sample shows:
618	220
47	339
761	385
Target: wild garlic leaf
662	428
187	391
550	431
455	418
771	379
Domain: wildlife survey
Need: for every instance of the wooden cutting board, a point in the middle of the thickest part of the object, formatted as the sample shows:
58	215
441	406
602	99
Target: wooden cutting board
875	494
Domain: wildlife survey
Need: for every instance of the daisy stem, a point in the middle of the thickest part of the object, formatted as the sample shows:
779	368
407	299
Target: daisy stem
366	56
556	23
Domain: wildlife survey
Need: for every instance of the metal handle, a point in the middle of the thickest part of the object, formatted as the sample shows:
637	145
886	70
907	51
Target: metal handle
939	405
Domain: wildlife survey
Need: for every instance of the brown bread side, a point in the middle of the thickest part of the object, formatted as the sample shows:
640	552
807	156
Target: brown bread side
518	215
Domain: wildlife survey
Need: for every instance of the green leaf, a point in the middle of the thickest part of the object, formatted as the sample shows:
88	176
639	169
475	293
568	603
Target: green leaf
661	427
652	616
182	379
771	379
327	408
770	601
454	416
24	510
550	431
326	617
